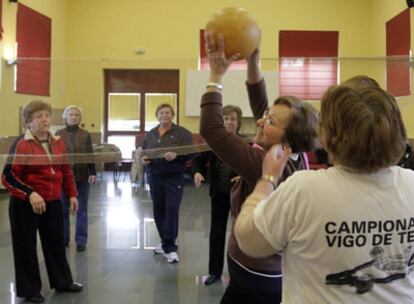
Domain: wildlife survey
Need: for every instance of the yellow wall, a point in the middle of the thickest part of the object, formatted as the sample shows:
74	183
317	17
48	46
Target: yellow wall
97	34
106	34
10	102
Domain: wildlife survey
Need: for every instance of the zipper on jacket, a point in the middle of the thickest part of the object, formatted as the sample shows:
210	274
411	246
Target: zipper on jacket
52	179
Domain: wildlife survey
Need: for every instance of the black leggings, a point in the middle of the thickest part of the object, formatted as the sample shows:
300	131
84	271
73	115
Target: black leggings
247	287
236	293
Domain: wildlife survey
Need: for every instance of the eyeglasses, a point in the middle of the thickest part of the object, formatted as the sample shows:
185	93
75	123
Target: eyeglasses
268	121
272	122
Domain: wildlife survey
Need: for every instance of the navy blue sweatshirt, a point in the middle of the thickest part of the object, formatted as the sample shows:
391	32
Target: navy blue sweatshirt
176	136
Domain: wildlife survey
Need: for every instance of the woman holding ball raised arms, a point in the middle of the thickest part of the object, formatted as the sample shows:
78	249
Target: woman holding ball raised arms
288	121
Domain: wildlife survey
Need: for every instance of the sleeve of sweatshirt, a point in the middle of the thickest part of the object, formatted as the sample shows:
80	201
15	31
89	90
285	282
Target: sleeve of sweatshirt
89	148
68	183
229	147
200	162
12	173
257	98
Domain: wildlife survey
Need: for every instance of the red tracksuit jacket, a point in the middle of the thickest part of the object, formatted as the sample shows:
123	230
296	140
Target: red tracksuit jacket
47	180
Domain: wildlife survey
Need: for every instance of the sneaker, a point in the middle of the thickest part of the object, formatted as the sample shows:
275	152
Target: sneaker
73	287
210	279
159	250
172	257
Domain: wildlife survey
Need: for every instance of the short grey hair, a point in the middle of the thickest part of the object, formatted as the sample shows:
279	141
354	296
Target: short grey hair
71	107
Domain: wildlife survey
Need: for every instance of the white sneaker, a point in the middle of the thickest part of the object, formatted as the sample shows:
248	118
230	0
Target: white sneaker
172	257
159	250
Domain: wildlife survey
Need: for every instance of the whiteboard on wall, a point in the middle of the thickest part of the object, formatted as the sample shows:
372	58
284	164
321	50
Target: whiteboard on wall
234	90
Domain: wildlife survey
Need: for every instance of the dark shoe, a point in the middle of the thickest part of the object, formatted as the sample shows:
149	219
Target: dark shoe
211	279
81	247
74	287
39	298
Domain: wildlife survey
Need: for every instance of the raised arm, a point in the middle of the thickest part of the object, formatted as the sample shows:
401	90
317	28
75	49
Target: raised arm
219	64
256	88
232	149
257	98
229	147
254	74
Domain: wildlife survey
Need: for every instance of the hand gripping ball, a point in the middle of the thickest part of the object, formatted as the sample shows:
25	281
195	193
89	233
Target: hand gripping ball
241	33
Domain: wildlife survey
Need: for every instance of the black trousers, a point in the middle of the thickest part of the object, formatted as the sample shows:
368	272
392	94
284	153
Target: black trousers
220	207
235	293
24	226
246	287
166	194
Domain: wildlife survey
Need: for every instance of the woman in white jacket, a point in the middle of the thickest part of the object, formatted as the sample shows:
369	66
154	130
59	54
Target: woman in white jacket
346	233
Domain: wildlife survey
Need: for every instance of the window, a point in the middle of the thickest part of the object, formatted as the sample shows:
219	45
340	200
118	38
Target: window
398	51
308	62
124	111
204	65
33	50
131	97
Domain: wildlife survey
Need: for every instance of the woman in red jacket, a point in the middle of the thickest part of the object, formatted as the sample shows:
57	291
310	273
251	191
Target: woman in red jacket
35	205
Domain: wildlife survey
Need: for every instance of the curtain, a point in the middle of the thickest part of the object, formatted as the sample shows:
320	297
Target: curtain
34	51
308	62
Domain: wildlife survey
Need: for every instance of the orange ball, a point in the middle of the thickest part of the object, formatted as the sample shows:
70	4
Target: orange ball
241	33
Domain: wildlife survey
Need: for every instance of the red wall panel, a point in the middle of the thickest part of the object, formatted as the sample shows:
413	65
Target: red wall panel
33	36
398	43
308	43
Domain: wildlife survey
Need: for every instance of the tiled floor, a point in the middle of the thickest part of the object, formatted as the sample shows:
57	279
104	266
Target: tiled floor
119	265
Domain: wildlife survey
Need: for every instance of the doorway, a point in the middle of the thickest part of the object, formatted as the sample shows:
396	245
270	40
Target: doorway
131	97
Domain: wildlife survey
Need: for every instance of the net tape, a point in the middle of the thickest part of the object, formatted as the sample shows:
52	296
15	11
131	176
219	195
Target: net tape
102	157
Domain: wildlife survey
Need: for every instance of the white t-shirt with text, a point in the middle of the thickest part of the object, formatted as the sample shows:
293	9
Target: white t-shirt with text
345	237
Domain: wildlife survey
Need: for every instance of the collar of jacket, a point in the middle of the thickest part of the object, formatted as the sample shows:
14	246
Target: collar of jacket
173	126
72	128
29	136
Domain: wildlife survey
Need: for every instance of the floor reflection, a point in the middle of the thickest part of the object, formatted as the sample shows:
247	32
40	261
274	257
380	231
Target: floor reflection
118	265
12	293
122	228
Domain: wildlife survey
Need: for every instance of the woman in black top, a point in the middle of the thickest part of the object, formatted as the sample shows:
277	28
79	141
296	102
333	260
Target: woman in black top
77	140
221	178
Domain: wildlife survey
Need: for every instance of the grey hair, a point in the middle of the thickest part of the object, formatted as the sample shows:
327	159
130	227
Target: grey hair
71	107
